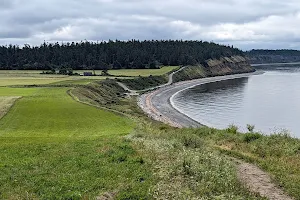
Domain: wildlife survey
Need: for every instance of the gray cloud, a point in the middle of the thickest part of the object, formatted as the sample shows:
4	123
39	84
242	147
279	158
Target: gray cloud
4	4
245	24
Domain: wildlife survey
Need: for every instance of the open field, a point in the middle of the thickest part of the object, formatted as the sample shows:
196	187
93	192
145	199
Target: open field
7	92
53	147
33	77
25	77
38	79
57	107
27	81
121	72
12	78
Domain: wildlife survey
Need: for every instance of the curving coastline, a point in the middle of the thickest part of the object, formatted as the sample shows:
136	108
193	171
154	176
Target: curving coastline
159	106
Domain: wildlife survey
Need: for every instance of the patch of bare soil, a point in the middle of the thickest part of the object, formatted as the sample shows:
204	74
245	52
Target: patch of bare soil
107	196
258	181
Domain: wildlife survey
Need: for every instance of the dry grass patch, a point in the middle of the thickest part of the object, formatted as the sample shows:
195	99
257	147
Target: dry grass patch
185	167
6	103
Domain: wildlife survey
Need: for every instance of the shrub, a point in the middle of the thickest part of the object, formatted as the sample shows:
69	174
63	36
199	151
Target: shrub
249	137
192	141
232	129
250	127
187	167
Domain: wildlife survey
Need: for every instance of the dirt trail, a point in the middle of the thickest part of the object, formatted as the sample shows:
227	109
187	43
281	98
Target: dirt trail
258	181
130	92
136	92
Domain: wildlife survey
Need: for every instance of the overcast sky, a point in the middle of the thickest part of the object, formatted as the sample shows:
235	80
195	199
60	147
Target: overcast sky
245	24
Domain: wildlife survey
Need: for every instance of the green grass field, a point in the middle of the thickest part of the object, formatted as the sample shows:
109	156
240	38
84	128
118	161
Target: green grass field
53	147
20	79
33	77
27	77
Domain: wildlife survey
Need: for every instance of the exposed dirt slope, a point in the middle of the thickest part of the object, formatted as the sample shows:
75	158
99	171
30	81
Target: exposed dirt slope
214	67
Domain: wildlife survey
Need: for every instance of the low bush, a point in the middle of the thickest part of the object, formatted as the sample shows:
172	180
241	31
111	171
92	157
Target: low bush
249	137
250	127
192	141
142	83
187	167
232	129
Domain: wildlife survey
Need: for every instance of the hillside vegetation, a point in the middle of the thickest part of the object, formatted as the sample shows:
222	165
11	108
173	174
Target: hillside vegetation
132	54
261	56
142	83
143	72
191	158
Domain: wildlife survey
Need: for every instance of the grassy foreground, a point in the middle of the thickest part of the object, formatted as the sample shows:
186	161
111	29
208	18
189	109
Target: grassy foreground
53	147
175	153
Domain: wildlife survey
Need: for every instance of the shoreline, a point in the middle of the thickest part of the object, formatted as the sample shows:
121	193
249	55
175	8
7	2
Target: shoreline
274	64
159	106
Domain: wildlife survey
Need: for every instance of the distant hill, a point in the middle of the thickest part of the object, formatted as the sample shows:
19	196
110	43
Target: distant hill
256	56
131	54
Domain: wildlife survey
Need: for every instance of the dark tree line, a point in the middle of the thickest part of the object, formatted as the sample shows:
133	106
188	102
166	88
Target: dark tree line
281	52
111	55
273	56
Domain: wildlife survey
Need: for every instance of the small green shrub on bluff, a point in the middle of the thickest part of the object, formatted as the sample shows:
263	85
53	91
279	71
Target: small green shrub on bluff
192	141
142	83
232	129
249	137
250	127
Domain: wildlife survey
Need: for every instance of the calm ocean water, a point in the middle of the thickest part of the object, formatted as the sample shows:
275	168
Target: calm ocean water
270	101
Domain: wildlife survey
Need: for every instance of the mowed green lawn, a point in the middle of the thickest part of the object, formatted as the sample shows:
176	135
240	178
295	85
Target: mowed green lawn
52	147
27	77
38	79
9	81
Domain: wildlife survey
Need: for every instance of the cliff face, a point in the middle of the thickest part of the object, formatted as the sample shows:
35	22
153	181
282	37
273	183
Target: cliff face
214	67
228	65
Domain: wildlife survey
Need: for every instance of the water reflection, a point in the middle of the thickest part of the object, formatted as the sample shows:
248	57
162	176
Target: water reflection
227	88
270	101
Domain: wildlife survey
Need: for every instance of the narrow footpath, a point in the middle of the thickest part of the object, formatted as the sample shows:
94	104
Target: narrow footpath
136	92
